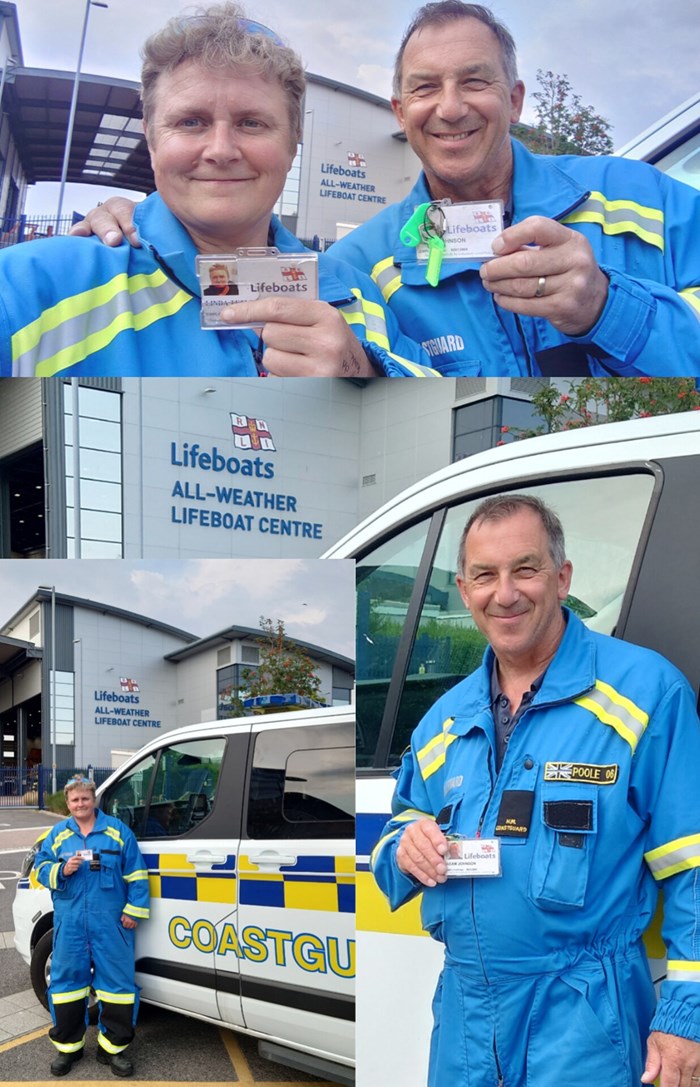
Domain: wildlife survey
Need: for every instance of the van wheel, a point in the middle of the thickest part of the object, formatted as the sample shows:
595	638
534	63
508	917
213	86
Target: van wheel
40	974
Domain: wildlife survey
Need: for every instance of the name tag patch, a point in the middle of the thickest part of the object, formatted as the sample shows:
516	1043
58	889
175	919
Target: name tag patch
591	772
515	814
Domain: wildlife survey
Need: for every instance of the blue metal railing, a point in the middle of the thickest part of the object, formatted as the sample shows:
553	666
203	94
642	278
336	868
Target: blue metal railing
28	788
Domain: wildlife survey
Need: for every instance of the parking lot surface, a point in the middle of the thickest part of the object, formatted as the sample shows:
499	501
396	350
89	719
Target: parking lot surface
168	1048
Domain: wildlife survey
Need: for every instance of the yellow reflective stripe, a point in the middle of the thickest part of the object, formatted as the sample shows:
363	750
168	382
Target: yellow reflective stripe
614	709
381	843
60	839
141	873
679	855
108	1046
71	356
621	217
69	1047
679	970
416	369
115	998
136	911
387	277
374	318
68	998
53	876
411	814
692	297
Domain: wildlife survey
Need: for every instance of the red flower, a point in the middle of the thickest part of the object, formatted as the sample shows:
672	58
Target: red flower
505	429
564	398
644	380
645	415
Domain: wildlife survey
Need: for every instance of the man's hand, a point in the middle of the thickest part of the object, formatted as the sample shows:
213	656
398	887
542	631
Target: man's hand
574	292
72	865
303	338
128	922
112	221
676	1060
421	852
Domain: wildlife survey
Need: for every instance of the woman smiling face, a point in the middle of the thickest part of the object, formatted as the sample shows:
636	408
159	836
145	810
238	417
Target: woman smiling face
221	147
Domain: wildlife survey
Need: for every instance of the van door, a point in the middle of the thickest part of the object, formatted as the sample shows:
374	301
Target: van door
296	903
184	805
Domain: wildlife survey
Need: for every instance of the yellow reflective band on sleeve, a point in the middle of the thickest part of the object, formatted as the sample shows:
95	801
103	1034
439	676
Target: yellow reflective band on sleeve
678	856
68	998
371	315
692	297
53	876
612	708
678	970
114	834
115	998
387	276
432	756
416	369
621	217
136	911
141	873
410	815
86	323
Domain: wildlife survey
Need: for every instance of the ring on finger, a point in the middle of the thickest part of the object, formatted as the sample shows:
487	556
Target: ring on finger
539	289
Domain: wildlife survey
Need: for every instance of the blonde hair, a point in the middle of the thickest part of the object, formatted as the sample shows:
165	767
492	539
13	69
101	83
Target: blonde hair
78	782
222	37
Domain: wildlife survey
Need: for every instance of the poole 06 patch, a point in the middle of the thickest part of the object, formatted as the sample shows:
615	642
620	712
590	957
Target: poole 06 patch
581	771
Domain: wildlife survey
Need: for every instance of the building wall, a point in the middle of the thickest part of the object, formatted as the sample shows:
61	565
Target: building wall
338	124
23	685
20	414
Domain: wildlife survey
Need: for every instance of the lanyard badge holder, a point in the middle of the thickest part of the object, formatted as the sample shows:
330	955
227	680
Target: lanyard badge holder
427	226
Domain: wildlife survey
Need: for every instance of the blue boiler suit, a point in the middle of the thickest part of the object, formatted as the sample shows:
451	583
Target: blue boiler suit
642	227
596	805
76	308
88	906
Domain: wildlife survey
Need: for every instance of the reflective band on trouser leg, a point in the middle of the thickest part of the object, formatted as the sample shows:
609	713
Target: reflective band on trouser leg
69	1011
117	1018
678	970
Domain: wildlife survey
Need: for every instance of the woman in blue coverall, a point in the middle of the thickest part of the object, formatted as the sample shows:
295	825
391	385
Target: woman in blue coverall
98	880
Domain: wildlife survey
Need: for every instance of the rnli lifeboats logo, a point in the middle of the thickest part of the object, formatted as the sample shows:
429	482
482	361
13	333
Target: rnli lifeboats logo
129	686
581	771
249	433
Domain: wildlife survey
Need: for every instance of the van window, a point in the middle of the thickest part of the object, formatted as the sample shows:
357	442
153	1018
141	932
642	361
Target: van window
302	784
171	794
602	519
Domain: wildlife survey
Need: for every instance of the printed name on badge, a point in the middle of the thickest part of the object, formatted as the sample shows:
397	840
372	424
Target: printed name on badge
226	279
469	230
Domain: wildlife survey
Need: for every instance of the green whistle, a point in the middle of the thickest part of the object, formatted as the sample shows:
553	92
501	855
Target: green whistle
436	250
410	233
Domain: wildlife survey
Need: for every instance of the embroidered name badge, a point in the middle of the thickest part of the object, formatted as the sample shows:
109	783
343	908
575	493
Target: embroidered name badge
515	814
581	771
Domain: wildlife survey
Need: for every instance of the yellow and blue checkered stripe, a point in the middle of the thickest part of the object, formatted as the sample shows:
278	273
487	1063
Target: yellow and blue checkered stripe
314	883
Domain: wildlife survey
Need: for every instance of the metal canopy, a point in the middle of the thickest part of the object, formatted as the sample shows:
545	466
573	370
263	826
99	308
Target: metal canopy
108	146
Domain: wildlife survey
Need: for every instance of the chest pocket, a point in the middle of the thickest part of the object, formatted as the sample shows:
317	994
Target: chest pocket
565	826
108	871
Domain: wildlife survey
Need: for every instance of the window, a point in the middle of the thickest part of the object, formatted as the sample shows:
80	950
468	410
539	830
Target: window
602	519
169	795
62	708
303	784
98	428
230	689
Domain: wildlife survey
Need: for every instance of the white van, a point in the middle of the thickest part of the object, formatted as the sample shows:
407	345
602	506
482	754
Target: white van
247	829
627	497
672	143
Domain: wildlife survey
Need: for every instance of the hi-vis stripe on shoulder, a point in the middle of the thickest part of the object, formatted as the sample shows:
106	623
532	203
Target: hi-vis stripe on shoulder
387	277
692	297
408	816
432	756
612	708
621	217
114	834
60	839
86	323
677	856
678	970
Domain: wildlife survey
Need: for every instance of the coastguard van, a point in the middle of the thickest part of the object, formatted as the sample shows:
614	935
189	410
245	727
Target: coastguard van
247	829
627	495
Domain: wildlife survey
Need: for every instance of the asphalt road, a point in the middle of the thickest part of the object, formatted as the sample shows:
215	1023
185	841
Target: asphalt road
168	1048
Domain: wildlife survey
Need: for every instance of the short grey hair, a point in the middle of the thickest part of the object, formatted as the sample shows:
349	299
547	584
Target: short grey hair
501	506
447	11
217	37
78	782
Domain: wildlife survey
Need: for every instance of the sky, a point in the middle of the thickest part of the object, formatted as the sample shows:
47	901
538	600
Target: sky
315	598
631	60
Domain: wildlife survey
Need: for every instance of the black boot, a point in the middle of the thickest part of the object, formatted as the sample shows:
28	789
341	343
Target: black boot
63	1063
119	1062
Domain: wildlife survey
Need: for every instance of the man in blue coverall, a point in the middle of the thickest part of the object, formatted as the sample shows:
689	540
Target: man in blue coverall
98	880
598	269
542	802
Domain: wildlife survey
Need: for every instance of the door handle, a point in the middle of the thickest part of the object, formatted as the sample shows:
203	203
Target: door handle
205	856
270	858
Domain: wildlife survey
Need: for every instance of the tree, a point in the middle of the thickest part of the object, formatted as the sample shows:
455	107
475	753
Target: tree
284	667
565	126
592	400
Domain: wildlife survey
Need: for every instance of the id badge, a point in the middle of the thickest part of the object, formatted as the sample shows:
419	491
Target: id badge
469	229
84	854
473	857
227	279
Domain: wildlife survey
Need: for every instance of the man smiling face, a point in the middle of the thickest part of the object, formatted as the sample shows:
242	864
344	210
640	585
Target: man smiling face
456	108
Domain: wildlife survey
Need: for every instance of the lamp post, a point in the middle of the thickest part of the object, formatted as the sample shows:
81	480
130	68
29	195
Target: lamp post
73	106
